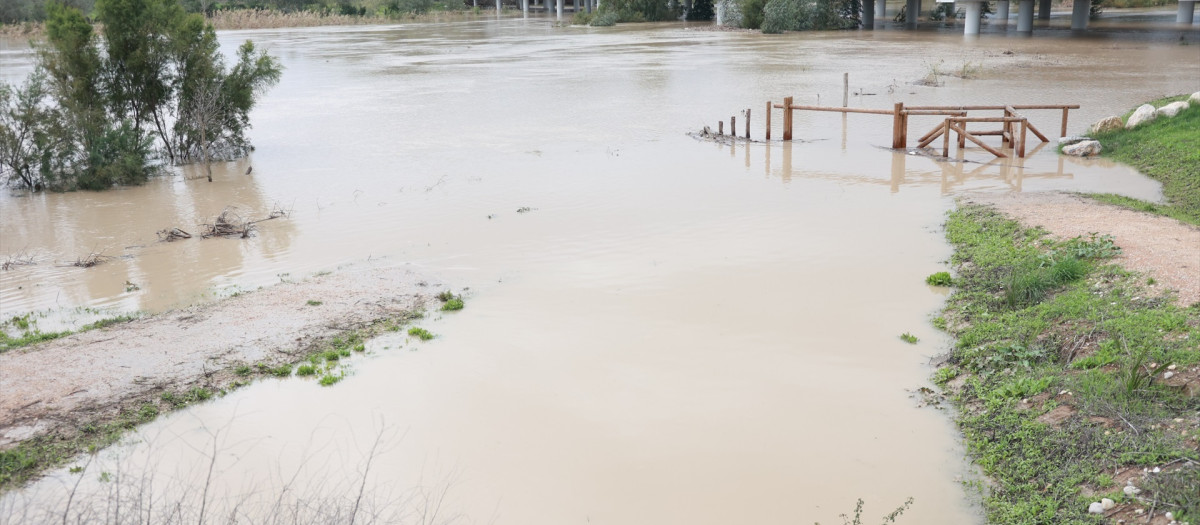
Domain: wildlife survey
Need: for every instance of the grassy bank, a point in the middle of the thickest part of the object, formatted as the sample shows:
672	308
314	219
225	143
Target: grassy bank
1071	376
1166	150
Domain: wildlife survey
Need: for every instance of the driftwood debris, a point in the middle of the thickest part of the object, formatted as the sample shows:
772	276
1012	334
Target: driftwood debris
17	259
228	224
172	234
92	259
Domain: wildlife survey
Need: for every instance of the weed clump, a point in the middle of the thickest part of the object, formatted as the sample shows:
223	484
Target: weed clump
420	333
909	338
939	279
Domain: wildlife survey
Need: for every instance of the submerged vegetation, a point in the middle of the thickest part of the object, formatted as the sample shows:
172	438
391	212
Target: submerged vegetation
104	110
1071	377
1166	150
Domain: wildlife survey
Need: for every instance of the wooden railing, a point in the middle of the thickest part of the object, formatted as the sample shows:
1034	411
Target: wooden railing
1013	131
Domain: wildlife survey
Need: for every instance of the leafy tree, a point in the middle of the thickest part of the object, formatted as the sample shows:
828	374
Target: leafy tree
98	110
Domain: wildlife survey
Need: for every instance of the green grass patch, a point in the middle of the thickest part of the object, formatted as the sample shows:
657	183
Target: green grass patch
1166	150
909	338
940	279
420	333
1034	318
311	302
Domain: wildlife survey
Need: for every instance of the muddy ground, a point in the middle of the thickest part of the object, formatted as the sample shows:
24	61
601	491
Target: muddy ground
94	376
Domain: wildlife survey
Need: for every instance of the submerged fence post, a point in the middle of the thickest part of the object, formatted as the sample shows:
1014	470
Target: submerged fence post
1064	123
787	118
720	127
768	120
897	127
733	127
845	89
747	123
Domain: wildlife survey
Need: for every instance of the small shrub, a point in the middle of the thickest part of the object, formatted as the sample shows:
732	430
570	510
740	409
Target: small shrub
1028	286
1068	269
581	18
306	370
330	379
1022	387
360	347
243	370
944	375
604	20
909	338
940	279
314	303
453	304
282	371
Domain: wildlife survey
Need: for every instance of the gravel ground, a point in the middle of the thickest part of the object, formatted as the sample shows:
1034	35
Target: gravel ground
1160	247
96	374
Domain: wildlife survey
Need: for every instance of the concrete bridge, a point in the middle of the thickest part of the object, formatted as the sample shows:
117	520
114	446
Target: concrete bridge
877	9
1080	13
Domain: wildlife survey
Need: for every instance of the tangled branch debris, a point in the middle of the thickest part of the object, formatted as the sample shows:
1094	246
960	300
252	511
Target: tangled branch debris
172	234
228	224
92	259
17	259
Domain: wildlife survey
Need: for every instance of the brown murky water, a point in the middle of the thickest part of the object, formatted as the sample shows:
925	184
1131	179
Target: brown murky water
678	332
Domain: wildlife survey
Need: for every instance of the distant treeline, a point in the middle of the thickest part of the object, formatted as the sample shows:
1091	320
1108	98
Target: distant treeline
17	11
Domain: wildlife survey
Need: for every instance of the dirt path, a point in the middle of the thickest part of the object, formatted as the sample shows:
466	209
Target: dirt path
95	375
1160	247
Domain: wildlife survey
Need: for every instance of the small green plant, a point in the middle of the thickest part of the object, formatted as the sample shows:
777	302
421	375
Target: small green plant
360	347
940	279
332	355
1022	387
306	370
330	379
243	370
445	295
314	303
944	375
888	518
284	370
939	322
148	412
909	338
1135	376
420	333
453	304
1151	282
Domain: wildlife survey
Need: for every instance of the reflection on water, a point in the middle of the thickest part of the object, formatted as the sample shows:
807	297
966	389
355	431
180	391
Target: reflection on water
677	333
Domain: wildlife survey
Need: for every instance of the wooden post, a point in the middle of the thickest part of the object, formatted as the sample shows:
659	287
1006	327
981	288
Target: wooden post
1021	148
787	118
733	127
747	123
898	116
720	127
945	137
845	89
962	135
768	120
1064	123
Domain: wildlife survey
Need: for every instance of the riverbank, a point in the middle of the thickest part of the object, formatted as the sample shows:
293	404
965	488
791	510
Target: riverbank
1077	380
1166	150
83	391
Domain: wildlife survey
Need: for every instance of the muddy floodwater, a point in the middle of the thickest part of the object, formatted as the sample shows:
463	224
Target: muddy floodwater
669	331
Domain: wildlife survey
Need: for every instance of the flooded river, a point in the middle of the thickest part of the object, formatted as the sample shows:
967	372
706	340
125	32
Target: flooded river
675	331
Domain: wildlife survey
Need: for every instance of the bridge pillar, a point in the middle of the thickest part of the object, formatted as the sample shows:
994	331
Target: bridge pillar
974	10
1002	12
1043	9
881	10
868	13
1025	16
1187	11
560	8
912	12
1079	14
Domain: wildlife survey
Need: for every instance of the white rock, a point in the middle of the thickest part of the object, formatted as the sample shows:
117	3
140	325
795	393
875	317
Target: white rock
1195	98
1156	470
1096	508
1107	124
1131	490
1168	375
1087	148
1169	516
1143	114
1107	503
1072	139
1172	109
